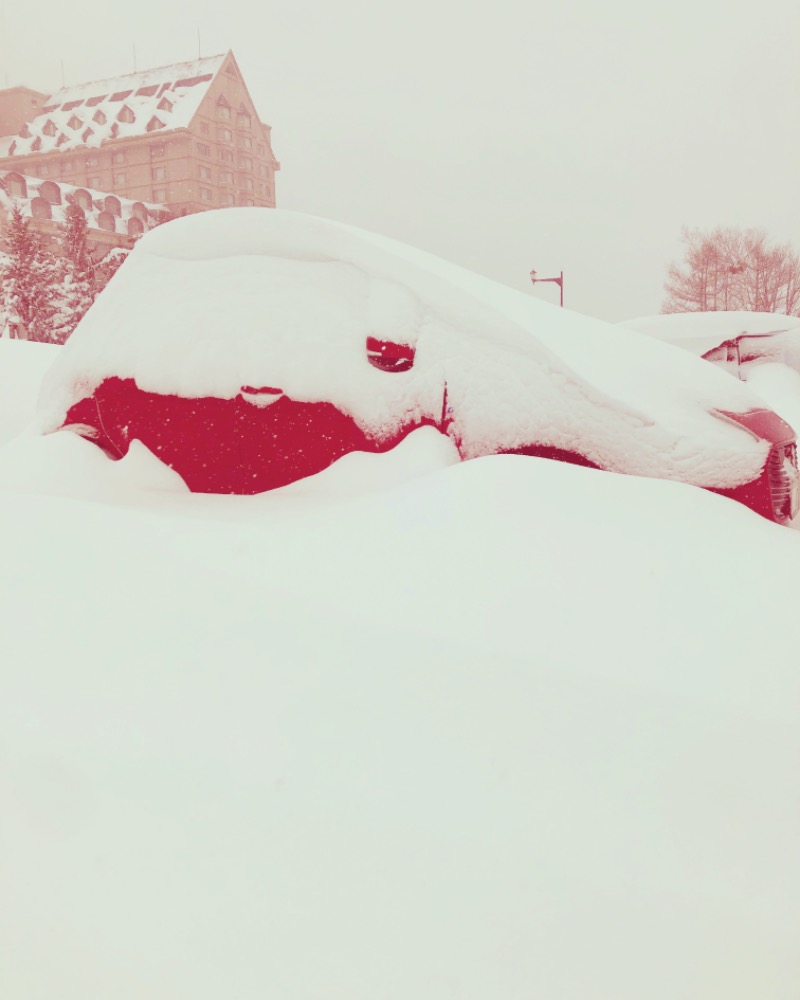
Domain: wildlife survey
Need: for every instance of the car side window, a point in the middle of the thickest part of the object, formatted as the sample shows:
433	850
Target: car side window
389	356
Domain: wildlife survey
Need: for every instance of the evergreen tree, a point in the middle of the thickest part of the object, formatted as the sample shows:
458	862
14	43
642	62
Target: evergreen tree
108	266
75	285
28	288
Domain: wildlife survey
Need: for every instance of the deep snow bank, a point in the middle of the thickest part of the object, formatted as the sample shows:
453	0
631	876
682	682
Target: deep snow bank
514	728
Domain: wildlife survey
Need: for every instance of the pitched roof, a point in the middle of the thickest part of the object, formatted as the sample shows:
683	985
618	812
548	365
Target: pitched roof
89	114
152	214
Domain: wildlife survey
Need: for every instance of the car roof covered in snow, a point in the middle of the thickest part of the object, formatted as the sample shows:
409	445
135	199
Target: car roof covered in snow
701	332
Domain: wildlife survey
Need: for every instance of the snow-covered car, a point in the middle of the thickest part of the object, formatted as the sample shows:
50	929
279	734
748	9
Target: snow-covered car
249	348
734	341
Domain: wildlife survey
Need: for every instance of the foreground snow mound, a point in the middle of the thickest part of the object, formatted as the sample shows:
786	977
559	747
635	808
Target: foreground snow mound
468	736
220	304
22	366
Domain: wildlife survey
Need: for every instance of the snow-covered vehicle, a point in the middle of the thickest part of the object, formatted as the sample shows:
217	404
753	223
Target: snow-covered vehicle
249	348
734	341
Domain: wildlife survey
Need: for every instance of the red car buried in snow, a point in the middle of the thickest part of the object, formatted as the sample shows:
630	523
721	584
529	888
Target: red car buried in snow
249	348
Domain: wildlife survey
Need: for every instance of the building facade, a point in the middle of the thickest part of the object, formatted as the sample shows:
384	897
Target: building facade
185	136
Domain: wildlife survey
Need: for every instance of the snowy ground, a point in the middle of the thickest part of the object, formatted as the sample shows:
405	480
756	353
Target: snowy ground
501	729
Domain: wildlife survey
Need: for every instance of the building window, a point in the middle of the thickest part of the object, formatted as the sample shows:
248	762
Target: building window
203	149
246	141
16	186
105	220
44	170
243	120
120	179
74	123
159	195
83	200
49	128
40	209
66	167
159	173
226	176
112	205
118	157
204	172
135	227
205	194
99	117
126	115
226	155
51	192
261	150
94	182
139	211
158	151
245	163
91	161
204	128
224	135
154	124
227	198
263	170
223	108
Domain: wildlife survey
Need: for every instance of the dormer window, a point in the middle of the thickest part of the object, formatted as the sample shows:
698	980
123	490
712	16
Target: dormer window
114	130
49	128
40	209
83	199
153	124
112	205
51	192
164	104
74	123
16	186
61	140
25	132
243	119
12	148
126	115
99	117
88	133
36	145
223	108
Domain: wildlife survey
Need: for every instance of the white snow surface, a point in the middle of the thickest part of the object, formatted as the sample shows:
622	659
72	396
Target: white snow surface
214	301
505	728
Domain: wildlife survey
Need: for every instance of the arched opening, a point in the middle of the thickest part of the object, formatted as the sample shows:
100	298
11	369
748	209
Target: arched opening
16	185
51	192
83	199
105	220
112	205
139	211
135	226
41	209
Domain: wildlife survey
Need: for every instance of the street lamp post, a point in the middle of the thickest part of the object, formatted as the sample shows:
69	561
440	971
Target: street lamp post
559	281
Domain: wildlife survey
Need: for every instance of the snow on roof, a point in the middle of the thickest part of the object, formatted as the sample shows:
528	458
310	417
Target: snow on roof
89	114
148	213
266	297
701	332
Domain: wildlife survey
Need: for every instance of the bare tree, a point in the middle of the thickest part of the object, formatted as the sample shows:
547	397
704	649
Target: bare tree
728	268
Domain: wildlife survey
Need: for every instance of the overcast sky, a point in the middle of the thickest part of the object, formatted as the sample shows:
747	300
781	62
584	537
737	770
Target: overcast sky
576	135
